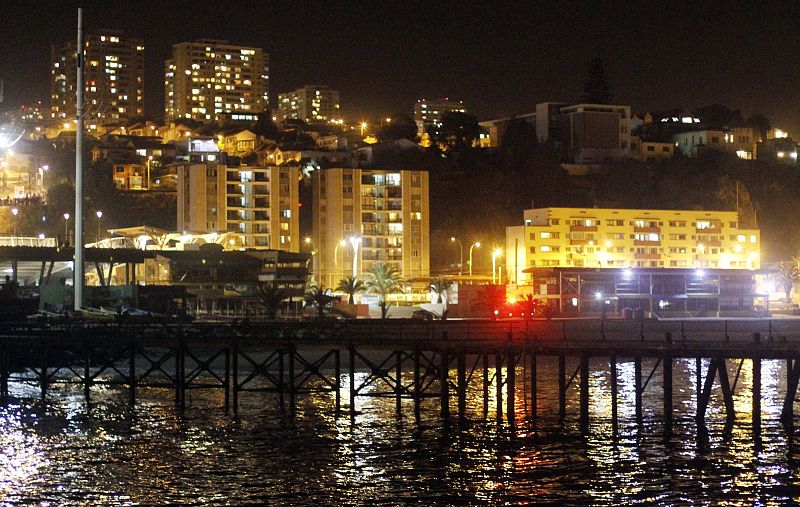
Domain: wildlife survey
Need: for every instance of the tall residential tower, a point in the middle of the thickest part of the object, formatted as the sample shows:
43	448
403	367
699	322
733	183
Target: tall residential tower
208	80
113	76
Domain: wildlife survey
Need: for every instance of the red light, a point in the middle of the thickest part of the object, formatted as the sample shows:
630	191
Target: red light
299	204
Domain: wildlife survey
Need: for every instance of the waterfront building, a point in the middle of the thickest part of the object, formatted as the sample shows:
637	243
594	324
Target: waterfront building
209	79
113	76
381	216
259	203
677	249
311	103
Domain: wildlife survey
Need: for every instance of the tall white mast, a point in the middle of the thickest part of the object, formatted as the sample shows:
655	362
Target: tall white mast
78	281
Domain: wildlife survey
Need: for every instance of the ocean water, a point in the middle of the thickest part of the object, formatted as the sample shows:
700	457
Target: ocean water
65	451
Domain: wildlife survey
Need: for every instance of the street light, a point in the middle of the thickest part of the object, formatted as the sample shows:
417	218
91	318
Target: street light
474	245
356	242
460	252
363	127
14	212
66	228
307	240
495	254
99	216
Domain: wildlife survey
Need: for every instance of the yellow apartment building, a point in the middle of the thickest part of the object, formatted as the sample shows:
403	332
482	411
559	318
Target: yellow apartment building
628	238
381	216
259	203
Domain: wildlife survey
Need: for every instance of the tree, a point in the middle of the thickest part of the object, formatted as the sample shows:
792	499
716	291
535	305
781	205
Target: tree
440	285
319	296
351	286
718	116
383	280
531	305
401	126
760	124
456	133
788	274
270	296
595	88
490	299
265	127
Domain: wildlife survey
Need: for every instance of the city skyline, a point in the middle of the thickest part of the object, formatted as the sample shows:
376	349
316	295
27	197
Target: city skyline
499	62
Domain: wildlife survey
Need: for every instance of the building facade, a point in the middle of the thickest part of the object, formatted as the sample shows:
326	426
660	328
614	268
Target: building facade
381	216
311	103
208	79
627	238
259	203
429	112
113	76
740	141
663	261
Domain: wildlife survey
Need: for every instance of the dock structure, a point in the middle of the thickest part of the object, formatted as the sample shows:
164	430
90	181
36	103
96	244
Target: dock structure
407	360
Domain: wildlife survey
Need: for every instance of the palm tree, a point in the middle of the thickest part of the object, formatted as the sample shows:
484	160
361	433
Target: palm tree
788	274
351	286
271	296
440	285
382	281
319	296
531	305
491	298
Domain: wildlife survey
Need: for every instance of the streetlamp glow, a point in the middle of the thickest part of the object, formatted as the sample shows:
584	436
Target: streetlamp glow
99	216
495	254
477	244
66	228
363	127
460	252
356	242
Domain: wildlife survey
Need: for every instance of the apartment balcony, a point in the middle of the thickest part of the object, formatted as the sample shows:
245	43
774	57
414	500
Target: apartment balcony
641	242
583	228
647	230
579	241
715	242
709	230
647	256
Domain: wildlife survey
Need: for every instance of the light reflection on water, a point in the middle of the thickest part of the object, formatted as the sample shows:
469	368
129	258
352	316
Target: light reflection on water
105	453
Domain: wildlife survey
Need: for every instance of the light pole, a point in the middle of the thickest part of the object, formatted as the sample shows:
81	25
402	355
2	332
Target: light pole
478	245
99	216
495	254
314	253
14	212
363	127
336	260
66	229
356	242
460	252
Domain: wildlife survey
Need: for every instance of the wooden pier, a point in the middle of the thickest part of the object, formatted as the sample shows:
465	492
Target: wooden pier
364	358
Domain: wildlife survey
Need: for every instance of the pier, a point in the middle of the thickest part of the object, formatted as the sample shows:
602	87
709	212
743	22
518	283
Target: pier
290	360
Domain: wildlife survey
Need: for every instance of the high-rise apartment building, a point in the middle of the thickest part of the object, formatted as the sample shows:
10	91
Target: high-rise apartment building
311	103
208	79
113	76
259	203
381	216
430	112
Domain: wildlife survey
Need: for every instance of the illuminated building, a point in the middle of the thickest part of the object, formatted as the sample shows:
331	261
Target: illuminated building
208	79
113	75
311	103
259	203
382	214
740	141
702	251
778	147
429	112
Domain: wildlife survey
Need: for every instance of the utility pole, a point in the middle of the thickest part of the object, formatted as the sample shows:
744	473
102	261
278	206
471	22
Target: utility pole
78	280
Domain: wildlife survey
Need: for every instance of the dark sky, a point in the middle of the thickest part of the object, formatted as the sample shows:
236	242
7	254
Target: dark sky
499	58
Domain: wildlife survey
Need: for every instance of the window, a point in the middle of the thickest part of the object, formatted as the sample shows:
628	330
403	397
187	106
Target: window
554	221
549	235
615	223
651	148
734	225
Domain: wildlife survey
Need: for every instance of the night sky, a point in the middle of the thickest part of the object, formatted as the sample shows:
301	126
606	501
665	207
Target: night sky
499	58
